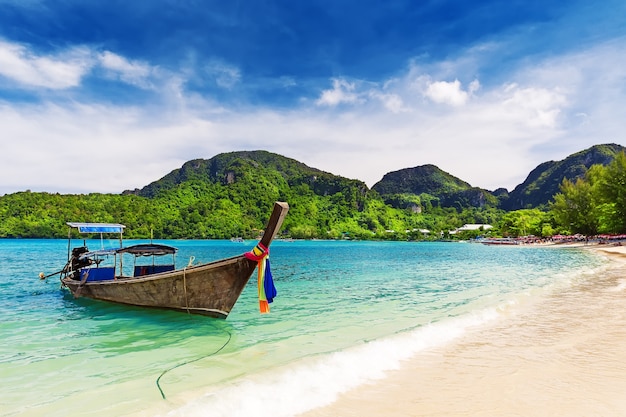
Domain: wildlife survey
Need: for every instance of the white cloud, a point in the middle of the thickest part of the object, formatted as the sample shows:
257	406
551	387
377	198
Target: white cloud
539	105
450	92
342	92
87	148
61	71
492	140
224	75
474	86
392	102
131	72
67	68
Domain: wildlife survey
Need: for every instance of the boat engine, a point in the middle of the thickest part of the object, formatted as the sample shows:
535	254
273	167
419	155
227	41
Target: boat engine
76	263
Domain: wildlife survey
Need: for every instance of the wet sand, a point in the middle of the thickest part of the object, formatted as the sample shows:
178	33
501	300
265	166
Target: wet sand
564	354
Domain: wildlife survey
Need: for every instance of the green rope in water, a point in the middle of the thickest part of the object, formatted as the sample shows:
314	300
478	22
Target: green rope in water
191	361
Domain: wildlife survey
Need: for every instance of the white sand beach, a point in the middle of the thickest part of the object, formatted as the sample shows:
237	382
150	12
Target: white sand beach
562	355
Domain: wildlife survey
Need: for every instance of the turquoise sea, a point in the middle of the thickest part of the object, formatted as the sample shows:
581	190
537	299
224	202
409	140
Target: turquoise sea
346	313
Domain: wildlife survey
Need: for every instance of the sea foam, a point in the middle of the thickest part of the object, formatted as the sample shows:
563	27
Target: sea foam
318	381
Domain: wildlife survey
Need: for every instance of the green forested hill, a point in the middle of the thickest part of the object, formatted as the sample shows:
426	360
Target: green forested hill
430	183
422	179
228	195
544	181
228	168
232	194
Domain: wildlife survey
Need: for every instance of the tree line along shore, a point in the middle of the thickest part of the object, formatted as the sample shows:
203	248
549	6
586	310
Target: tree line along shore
340	209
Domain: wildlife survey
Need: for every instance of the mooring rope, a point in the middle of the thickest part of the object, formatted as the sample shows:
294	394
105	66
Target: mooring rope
192	361
185	289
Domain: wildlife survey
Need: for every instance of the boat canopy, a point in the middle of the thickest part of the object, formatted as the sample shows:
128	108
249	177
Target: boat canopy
97	253
148	249
97	227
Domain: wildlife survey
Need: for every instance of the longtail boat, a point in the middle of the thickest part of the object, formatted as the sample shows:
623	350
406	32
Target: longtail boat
210	289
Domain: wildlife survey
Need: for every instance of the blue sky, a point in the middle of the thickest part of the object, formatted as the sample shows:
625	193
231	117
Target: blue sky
104	96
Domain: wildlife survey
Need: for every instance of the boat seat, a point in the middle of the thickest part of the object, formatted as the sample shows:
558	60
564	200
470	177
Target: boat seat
98	274
141	270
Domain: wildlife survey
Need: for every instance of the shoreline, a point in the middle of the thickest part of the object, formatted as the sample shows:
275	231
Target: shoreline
563	355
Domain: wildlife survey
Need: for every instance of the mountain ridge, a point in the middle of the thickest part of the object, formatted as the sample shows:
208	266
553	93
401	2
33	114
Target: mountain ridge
429	181
230	195
543	182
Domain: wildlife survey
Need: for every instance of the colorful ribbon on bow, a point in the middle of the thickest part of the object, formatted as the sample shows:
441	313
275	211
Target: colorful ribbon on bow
267	290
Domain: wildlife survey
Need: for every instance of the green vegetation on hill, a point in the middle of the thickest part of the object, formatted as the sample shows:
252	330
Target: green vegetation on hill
232	194
229	195
422	179
433	184
544	181
596	203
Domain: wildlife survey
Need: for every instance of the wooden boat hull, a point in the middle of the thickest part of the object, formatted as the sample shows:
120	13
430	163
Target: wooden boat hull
210	289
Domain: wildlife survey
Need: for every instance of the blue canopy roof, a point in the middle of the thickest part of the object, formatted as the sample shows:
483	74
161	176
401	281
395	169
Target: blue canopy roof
98	227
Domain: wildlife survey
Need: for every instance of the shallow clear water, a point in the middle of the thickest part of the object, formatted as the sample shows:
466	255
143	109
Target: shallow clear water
346	312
